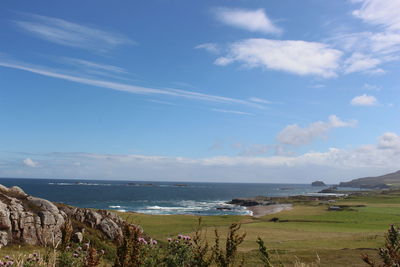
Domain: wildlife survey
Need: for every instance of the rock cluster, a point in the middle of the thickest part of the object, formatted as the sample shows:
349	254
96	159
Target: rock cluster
107	222
30	220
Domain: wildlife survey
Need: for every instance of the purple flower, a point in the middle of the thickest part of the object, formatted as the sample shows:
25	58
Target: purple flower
154	242
169	239
180	236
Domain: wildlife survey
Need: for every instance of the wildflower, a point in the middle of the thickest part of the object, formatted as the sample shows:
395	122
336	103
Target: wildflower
180	236
169	239
142	240
76	255
153	242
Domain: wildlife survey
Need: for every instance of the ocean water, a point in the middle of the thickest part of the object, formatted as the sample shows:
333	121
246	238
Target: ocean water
154	197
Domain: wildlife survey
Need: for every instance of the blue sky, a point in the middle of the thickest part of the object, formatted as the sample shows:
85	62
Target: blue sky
228	91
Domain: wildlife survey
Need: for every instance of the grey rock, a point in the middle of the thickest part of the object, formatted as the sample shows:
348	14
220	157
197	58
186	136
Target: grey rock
31	220
78	237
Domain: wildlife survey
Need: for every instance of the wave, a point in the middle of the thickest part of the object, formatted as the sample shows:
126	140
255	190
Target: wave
114	207
78	183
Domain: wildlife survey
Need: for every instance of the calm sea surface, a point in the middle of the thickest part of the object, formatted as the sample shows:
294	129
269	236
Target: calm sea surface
154	197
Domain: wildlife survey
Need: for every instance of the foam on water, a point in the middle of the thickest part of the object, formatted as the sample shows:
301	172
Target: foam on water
191	207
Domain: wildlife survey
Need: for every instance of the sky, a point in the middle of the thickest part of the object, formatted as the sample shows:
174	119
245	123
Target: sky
209	91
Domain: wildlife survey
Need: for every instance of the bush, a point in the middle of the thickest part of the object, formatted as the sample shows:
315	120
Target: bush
390	253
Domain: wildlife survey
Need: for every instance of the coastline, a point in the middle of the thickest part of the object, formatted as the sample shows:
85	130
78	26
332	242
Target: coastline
262	210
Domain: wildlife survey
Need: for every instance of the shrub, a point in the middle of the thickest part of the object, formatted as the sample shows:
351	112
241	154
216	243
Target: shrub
390	253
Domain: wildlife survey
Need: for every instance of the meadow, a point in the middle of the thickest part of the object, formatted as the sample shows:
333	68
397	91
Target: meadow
308	233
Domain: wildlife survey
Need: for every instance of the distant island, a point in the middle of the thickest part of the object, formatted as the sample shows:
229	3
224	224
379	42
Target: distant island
377	182
318	183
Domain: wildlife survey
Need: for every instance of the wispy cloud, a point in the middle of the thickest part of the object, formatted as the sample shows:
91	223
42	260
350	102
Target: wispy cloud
298	57
295	135
333	164
161	102
123	86
30	163
259	100
232	111
380	12
90	65
247	19
361	62
371	49
364	100
210	47
68	33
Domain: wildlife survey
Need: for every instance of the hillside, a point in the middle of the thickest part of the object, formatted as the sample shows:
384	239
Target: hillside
383	181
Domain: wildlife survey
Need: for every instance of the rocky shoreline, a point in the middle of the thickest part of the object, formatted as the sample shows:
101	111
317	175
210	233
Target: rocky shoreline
261	206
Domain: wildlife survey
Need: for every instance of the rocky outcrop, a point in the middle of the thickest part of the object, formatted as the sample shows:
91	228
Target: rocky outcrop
107	222
318	183
26	219
249	202
30	220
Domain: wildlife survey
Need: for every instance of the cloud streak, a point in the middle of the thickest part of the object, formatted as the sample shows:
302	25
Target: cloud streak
124	87
72	34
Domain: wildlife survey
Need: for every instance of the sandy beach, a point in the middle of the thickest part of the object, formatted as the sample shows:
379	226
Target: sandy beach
259	211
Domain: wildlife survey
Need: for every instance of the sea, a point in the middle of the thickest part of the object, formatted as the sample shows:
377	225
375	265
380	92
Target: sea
155	197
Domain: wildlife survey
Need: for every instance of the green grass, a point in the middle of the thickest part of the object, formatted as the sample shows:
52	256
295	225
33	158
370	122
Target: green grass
338	237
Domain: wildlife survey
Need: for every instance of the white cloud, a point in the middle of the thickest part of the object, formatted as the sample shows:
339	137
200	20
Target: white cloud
67	33
296	135
389	140
259	100
90	65
30	163
364	100
380	12
370	49
360	62
299	57
334	165
123	86
232	111
210	47
251	20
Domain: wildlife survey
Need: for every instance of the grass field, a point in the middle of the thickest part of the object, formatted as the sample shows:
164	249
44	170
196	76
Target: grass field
308	230
308	233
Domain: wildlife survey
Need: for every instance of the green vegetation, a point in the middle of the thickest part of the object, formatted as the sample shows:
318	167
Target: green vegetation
307	235
308	232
